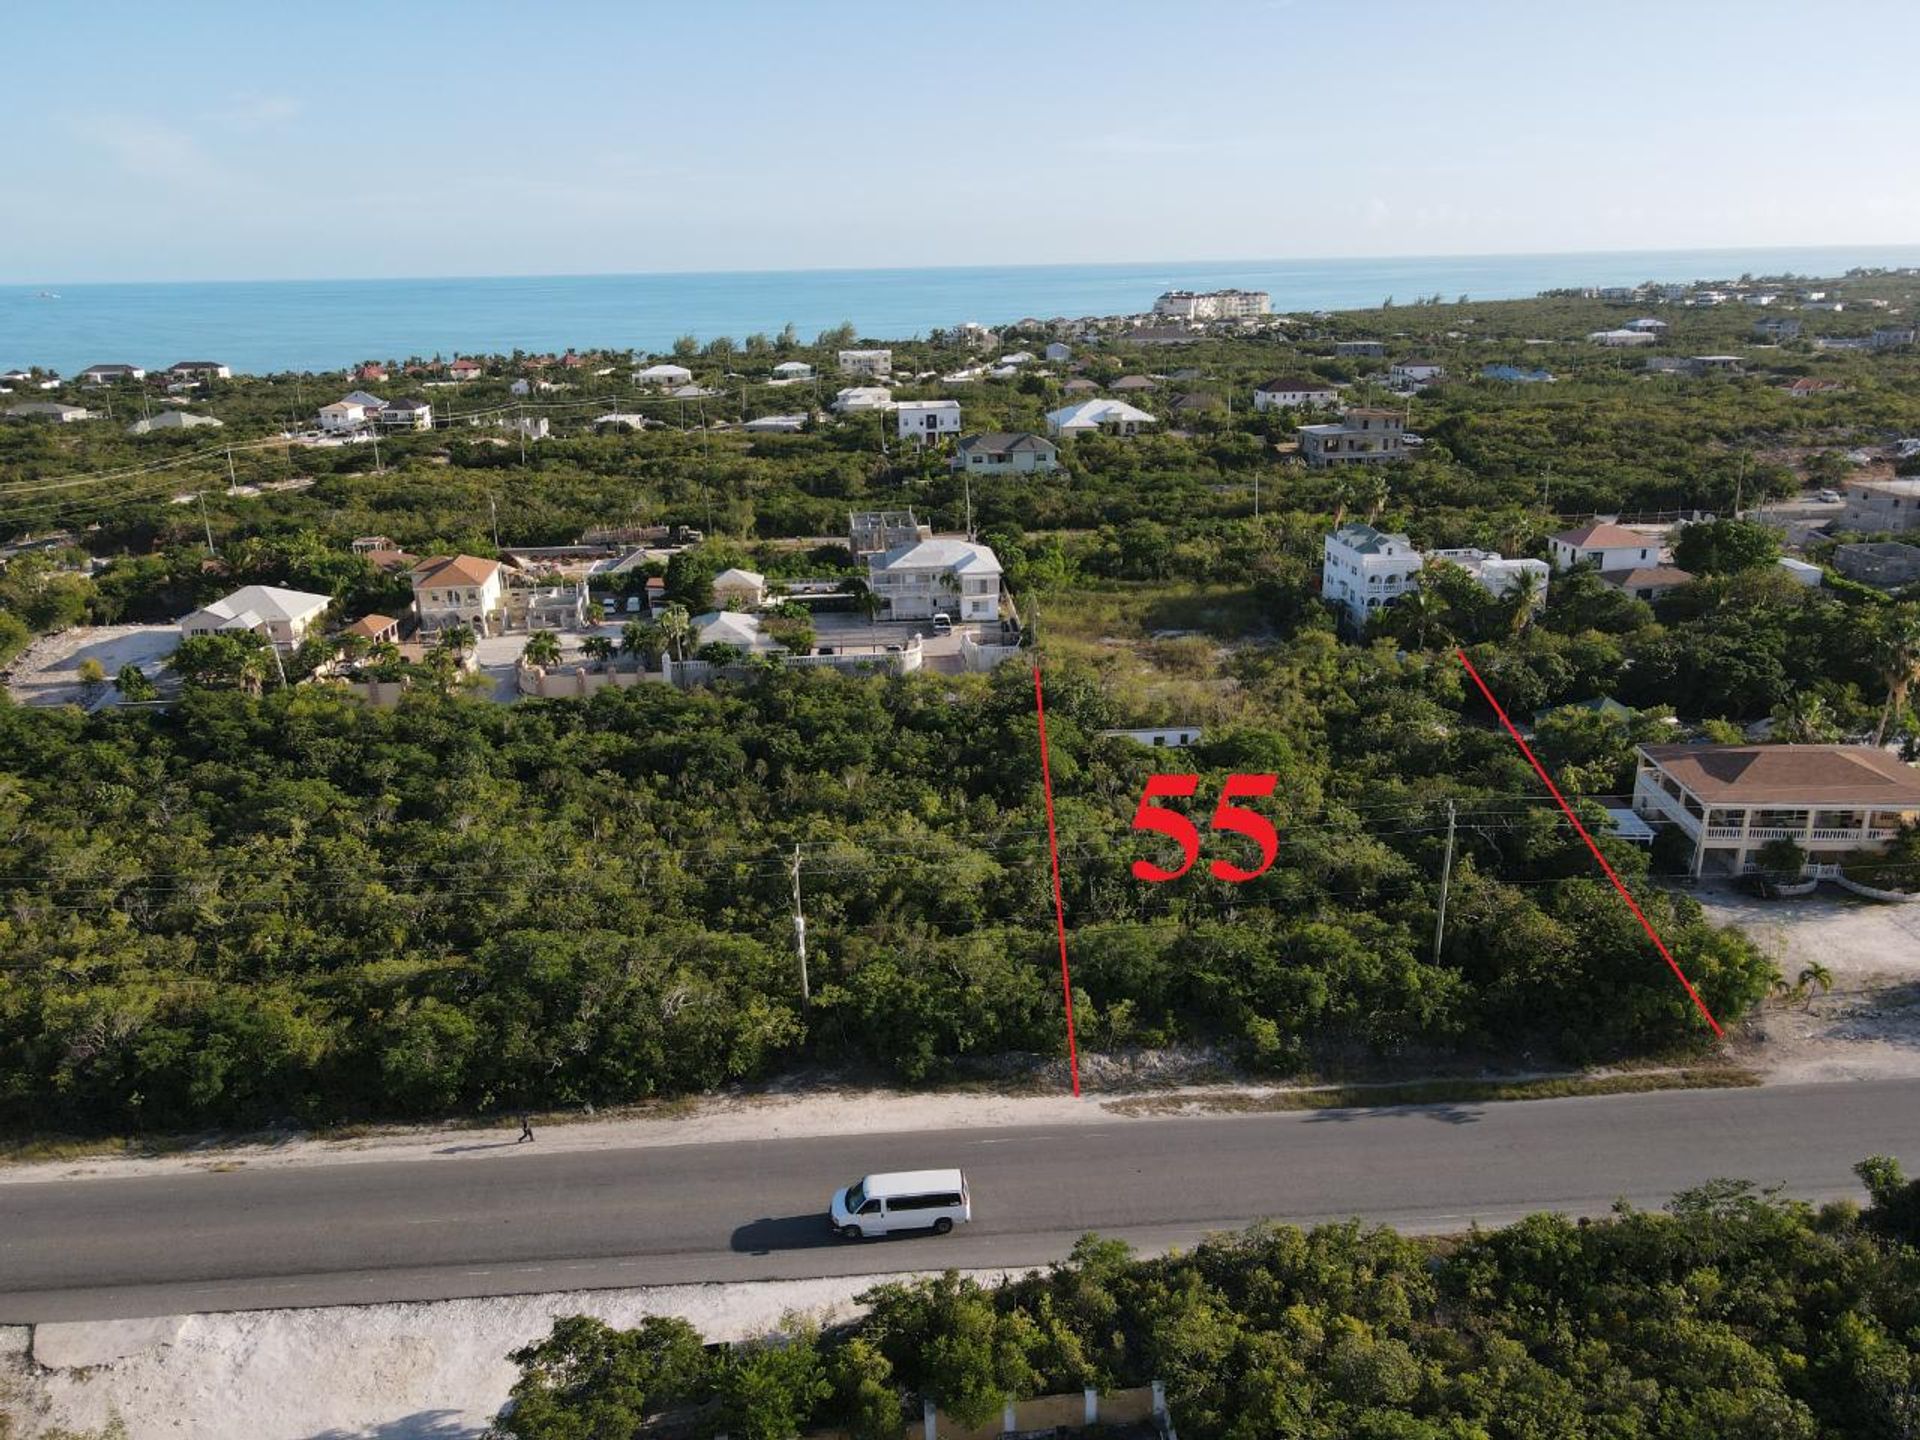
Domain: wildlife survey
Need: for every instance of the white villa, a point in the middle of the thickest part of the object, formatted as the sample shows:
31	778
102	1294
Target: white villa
737	589
788	371
458	590
1292	391
1109	417
943	575
730	627
926	420
283	617
1363	570
1622	338
342	417
1730	800
856	399
1610	546
406	415
1497	574
664	377
874	364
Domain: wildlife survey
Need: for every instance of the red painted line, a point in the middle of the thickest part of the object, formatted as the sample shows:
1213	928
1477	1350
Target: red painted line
1059	908
1574	820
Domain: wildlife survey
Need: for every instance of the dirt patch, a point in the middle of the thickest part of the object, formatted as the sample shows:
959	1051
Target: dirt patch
48	673
1867	1026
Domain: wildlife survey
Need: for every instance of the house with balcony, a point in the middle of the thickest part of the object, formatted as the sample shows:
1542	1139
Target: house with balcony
459	590
1363	570
406	415
870	364
1730	800
1363	437
942	575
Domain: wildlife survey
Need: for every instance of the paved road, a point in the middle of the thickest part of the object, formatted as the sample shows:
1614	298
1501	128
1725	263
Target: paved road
506	1219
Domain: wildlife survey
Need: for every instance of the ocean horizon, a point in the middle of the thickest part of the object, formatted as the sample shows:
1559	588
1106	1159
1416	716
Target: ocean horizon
257	326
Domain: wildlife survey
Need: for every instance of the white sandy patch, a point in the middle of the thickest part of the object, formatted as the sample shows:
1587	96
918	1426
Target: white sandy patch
396	1372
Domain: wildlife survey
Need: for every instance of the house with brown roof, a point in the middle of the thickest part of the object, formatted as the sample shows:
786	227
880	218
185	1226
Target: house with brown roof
1730	800
466	369
458	590
1648	582
1811	385
1603	543
1287	392
374	629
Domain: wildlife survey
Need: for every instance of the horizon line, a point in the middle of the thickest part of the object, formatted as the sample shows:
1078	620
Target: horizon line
1019	265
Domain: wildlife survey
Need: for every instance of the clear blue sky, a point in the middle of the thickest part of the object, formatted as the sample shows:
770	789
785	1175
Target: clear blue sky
223	140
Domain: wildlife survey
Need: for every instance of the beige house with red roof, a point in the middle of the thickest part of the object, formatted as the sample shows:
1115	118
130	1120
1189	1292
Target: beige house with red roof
458	590
1610	546
1730	800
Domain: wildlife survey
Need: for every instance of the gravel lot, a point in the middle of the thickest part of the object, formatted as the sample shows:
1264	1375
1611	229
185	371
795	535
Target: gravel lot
48	672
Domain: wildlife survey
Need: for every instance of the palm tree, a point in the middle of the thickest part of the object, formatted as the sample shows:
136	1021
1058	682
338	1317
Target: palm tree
1419	619
1806	719
676	628
457	638
637	639
1897	657
1523	592
543	649
599	647
1815	977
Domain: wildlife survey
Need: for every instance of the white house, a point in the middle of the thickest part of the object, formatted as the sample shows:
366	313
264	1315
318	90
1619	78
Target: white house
736	589
406	415
1000	453
1157	737
926	420
458	590
50	410
1647	325
858	398
1289	392
342	417
775	425
1412	374
788	371
1057	352
1110	417
199	370
1730	800
172	420
1363	570
730	627
1622	338
665	377
1610	546
1364	437
282	617
1497	574
941	575
874	364
108	374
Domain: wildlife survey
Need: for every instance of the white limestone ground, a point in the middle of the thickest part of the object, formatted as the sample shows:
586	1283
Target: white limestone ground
364	1372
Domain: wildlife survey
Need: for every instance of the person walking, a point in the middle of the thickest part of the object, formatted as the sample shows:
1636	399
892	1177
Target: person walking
526	1127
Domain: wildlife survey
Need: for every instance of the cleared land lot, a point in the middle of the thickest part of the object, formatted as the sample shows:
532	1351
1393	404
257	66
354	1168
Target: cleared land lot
48	673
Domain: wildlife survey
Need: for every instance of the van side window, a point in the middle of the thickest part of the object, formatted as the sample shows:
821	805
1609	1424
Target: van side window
872	1207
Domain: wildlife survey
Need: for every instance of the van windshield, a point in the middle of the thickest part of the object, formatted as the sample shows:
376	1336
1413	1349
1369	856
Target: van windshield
856	1195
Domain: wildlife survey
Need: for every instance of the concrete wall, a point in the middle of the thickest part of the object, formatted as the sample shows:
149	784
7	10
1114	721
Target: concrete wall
575	682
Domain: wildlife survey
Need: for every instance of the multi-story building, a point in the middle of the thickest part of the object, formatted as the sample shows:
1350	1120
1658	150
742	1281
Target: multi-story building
875	364
1363	437
943	575
871	532
1874	506
1610	546
199	370
1363	570
926	420
406	415
1497	574
458	590
1887	564
1213	304
343	417
1730	800
110	374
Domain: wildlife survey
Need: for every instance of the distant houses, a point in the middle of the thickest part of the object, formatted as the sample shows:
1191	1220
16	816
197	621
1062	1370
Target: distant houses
1776	328
1213	304
1517	374
1360	347
858	399
51	410
1876	506
172	420
787	372
1004	453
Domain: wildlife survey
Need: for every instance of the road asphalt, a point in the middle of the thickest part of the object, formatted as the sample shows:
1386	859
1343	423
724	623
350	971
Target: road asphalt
500	1218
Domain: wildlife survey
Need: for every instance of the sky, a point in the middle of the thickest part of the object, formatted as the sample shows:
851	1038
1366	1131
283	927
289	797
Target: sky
221	140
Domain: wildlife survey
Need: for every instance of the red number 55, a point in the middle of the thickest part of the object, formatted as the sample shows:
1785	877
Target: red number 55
1226	816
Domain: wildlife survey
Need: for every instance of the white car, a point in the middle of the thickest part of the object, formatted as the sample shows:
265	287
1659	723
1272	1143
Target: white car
1831	497
935	1200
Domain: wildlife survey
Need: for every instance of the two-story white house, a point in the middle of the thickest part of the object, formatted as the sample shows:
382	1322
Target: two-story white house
1363	570
1497	574
1289	392
406	415
1363	437
282	617
943	575
1609	546
111	374
1730	800
926	420
343	417
458	590
872	364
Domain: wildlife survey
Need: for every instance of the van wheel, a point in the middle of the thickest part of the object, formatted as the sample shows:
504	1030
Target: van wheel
850	1232
942	1226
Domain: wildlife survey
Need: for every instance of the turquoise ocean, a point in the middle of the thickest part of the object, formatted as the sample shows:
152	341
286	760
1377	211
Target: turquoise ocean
259	326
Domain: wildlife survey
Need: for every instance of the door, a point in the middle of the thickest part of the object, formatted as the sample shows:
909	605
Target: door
873	1218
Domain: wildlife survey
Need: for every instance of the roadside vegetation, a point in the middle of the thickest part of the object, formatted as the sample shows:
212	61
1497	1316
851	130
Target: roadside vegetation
1731	1315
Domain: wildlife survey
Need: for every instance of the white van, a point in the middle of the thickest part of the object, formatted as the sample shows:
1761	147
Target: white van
935	1200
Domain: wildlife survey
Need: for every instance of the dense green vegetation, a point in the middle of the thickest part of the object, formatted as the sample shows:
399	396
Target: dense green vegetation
263	905
1732	1316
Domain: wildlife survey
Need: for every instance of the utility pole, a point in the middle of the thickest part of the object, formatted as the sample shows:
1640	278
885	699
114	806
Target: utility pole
201	496
1256	494
232	483
1446	882
494	507
967	480
800	933
377	467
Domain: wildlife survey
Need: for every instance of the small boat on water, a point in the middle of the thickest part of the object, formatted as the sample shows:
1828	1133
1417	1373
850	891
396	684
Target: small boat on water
46	295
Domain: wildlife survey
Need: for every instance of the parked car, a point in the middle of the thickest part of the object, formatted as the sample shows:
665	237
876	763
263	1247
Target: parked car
633	604
609	607
1832	497
935	1200
942	624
